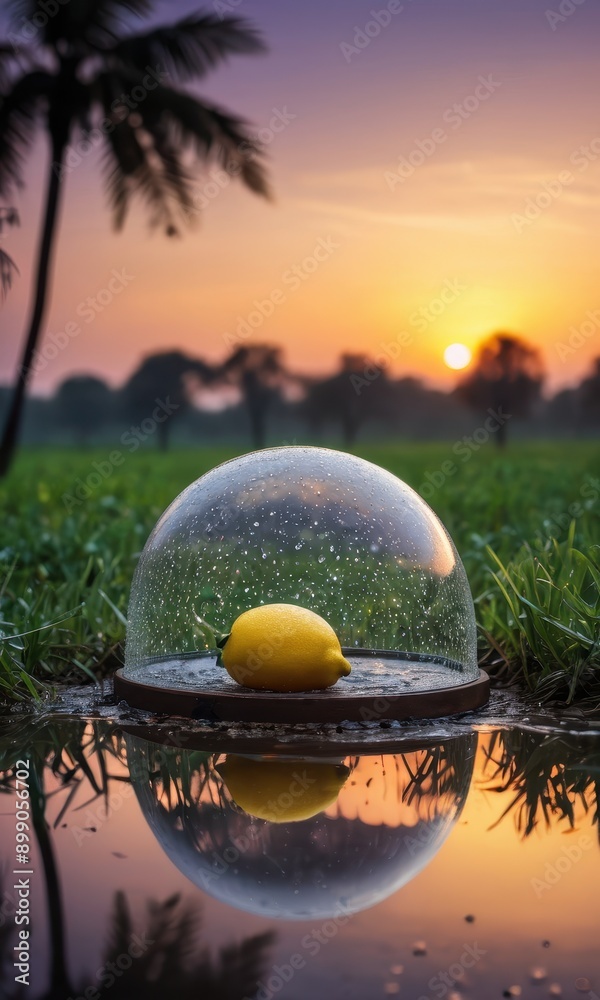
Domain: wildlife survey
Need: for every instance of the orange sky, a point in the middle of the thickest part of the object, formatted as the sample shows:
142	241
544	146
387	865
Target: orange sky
452	224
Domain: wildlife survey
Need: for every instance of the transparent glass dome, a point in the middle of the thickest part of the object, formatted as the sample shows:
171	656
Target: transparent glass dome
350	848
313	527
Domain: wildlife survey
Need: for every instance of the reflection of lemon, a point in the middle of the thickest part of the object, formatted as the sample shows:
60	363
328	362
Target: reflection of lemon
282	647
282	791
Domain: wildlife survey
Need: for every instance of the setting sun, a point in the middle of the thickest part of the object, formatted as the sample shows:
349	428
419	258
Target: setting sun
457	356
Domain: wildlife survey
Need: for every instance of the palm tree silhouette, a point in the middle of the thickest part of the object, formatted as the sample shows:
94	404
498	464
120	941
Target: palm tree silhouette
85	78
260	374
507	377
168	375
176	962
164	953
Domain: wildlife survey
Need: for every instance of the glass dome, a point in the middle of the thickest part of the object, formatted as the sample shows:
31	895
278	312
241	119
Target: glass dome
320	838
313	527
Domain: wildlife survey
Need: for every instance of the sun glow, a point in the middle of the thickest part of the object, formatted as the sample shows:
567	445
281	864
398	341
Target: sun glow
457	356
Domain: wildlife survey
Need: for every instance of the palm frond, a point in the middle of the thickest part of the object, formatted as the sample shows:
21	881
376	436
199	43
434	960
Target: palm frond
209	132
133	169
8	269
146	148
189	48
79	21
7	58
242	966
76	28
116	10
8	217
176	179
174	925
121	929
19	108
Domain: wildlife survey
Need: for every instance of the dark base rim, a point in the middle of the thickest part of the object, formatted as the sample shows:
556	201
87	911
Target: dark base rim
260	740
246	707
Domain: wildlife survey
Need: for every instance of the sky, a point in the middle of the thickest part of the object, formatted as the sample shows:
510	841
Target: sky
436	177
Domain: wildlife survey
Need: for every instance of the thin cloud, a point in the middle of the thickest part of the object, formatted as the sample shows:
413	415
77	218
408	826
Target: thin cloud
406	220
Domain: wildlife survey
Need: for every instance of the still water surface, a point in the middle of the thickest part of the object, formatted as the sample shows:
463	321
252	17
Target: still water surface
461	867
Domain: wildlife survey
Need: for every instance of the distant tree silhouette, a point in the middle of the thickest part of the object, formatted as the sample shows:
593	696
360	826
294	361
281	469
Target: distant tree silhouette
162	379
8	268
76	80
589	397
506	378
359	392
418	411
260	375
562	412
83	404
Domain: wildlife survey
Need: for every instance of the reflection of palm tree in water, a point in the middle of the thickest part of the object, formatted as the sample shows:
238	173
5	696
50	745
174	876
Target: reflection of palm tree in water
145	960
61	747
174	958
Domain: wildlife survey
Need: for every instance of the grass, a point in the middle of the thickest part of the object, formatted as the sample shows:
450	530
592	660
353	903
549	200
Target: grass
553	778
526	523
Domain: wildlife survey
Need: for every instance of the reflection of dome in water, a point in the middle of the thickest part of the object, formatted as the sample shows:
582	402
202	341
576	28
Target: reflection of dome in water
307	526
391	816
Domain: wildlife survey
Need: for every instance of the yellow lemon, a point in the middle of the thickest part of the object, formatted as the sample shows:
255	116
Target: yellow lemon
282	647
282	791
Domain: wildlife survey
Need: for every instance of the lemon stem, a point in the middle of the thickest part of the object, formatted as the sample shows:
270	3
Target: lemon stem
214	637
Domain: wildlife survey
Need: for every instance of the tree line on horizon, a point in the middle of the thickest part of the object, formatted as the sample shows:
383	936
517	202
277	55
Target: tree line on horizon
258	392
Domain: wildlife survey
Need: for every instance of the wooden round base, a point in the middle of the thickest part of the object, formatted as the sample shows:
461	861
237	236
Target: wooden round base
240	705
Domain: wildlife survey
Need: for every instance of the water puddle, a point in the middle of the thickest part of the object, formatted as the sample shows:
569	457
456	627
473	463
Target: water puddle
454	864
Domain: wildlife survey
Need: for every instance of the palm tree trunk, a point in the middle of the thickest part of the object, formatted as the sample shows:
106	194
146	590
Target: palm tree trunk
163	434
59	977
259	433
350	427
44	264
501	436
501	433
257	411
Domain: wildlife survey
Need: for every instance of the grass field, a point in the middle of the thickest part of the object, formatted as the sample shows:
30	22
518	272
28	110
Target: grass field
526	523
